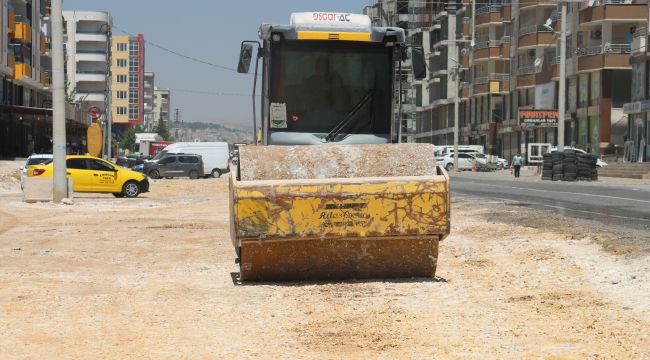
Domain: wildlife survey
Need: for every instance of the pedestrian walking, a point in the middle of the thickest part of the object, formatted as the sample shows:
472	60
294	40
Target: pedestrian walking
517	161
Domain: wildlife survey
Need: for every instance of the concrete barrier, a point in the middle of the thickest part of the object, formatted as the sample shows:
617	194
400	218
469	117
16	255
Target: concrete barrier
37	189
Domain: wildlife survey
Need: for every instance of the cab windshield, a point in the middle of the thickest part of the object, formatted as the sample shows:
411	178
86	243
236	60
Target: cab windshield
319	84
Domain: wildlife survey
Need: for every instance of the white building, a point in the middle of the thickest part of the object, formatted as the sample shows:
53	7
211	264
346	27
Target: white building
161	105
88	57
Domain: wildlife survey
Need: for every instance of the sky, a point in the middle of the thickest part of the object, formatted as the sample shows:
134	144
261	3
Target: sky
209	30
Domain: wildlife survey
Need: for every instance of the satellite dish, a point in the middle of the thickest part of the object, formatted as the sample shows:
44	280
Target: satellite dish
538	62
471	43
548	22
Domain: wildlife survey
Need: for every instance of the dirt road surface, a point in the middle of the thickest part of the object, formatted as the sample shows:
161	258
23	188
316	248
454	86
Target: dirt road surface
153	278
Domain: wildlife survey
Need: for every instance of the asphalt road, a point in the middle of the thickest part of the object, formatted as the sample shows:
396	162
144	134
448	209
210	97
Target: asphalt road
626	206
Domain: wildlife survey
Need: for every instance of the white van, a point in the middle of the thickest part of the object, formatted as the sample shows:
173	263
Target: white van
215	155
467	149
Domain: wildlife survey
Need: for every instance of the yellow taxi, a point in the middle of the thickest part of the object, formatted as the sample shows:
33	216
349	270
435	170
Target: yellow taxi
92	174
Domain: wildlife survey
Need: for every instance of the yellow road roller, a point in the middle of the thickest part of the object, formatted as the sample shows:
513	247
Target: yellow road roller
327	191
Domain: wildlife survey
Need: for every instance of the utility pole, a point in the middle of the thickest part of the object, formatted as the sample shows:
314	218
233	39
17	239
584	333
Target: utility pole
60	185
177	120
456	125
108	116
562	91
453	49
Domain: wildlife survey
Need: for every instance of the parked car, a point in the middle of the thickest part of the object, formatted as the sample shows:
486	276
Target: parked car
449	149
215	155
599	162
95	175
128	162
465	161
175	165
33	159
499	162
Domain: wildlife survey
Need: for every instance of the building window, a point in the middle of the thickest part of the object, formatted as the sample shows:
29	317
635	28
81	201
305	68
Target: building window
121	79
121	62
121	110
121	94
121	47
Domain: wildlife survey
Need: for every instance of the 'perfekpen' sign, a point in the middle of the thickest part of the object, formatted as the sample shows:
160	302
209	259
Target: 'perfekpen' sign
538	118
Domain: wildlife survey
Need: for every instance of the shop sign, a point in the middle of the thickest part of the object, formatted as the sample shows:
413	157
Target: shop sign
538	118
636	107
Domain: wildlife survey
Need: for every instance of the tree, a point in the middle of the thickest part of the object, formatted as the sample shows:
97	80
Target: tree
161	129
127	140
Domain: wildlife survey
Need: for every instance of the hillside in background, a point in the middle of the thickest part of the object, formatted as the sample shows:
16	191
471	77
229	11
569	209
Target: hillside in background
212	132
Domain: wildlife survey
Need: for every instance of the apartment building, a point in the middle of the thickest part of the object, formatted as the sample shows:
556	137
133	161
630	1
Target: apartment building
25	63
598	70
127	68
161	106
88	54
441	27
404	14
490	79
638	109
511	50
149	82
445	38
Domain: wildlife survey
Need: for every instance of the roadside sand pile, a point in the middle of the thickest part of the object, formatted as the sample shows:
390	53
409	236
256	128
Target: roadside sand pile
10	176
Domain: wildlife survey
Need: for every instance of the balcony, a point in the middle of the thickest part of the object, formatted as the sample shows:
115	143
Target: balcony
465	29
91	76
47	8
92	36
494	13
46	45
22	70
11	21
555	64
504	47
531	4
90	95
492	83
46	78
608	56
435	73
464	90
531	36
614	10
11	63
464	62
487	49
531	75
640	42
22	31
91	55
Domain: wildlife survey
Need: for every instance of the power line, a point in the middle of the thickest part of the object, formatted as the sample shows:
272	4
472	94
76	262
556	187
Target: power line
212	93
177	53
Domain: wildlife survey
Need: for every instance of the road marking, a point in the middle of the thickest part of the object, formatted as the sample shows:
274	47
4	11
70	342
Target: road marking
561	192
594	212
574	193
561	207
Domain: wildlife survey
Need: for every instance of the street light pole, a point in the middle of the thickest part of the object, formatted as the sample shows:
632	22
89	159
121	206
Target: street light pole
60	183
562	91
456	126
